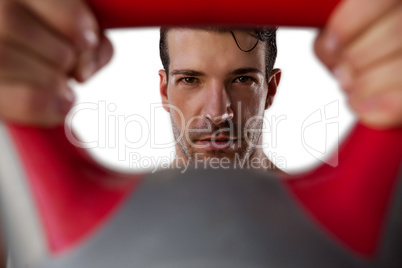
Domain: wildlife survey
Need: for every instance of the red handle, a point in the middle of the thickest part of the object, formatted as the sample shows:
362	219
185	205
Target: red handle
131	13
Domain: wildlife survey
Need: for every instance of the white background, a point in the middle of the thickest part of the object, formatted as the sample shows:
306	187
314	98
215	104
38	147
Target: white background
131	83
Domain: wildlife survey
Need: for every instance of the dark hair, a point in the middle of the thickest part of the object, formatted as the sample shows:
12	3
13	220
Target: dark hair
264	34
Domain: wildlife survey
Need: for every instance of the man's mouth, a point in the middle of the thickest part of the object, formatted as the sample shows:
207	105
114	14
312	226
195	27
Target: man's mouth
217	143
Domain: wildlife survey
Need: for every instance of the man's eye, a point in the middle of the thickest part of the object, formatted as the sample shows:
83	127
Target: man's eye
189	80
243	79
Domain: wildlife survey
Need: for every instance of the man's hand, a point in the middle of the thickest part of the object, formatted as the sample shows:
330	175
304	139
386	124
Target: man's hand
362	46
44	43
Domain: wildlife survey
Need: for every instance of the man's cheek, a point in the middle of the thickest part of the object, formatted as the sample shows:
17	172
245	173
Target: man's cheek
178	116
247	114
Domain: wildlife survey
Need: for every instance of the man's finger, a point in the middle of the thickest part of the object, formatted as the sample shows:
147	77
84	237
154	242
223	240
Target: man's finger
21	29
348	21
24	103
382	111
72	19
377	79
17	64
381	42
94	60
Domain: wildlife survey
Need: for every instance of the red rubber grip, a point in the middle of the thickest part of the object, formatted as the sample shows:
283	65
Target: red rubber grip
131	13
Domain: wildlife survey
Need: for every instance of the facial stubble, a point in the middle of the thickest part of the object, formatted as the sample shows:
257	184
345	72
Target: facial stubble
245	152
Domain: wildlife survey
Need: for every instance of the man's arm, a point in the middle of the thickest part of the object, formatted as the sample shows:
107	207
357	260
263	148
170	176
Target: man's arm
362	45
44	43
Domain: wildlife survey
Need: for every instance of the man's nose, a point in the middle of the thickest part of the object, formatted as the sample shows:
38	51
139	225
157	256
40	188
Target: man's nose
217	107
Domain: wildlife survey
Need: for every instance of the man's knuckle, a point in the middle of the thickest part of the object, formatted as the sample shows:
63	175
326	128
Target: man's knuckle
350	59
81	25
317	45
65	57
319	50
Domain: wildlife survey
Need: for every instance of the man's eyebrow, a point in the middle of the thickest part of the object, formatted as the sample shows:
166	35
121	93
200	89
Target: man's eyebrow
247	70
187	73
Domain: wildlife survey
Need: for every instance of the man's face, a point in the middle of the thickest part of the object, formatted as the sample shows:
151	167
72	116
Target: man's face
216	93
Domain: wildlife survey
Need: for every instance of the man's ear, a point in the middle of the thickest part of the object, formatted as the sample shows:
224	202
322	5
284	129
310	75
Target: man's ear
273	83
163	89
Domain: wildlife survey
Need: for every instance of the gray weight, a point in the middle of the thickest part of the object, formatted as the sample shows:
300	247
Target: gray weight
220	218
